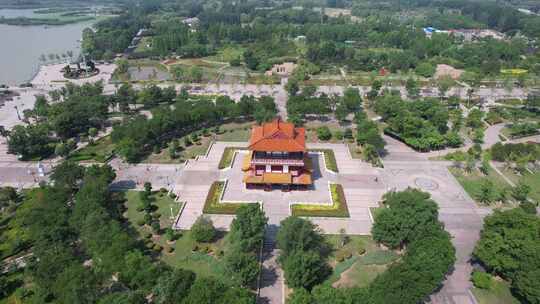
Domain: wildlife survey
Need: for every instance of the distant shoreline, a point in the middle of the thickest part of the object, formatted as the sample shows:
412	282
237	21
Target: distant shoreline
24	21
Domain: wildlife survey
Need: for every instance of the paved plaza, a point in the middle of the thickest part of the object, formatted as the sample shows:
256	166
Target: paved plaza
362	190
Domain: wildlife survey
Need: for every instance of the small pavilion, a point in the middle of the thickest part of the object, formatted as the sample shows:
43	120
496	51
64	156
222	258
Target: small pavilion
277	157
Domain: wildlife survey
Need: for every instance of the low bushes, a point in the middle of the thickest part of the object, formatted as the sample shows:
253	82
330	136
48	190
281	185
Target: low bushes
337	209
481	280
523	129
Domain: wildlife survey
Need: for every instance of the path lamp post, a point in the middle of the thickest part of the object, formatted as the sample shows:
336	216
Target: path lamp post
18	114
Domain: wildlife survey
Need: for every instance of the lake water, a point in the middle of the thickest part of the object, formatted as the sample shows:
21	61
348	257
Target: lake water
21	46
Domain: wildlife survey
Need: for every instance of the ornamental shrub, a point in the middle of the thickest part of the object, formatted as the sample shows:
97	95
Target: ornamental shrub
203	230
481	279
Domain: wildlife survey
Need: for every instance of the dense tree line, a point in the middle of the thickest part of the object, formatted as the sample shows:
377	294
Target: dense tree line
71	112
82	252
512	152
181	115
303	253
306	102
422	124
81	111
245	238
368	44
369	136
408	221
508	247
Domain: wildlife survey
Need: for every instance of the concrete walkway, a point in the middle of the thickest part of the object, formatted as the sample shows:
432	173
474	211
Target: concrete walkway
462	218
271	286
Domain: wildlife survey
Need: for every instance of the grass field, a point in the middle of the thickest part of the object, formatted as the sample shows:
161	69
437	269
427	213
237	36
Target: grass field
161	200
472	182
498	294
227	53
531	179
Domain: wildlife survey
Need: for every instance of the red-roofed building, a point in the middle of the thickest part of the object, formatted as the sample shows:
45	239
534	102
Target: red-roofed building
277	156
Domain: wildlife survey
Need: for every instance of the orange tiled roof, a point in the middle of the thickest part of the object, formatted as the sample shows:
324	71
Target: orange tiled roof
277	178
303	179
278	136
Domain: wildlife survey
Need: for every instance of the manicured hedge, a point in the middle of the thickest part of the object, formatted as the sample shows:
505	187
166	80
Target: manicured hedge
337	209
213	204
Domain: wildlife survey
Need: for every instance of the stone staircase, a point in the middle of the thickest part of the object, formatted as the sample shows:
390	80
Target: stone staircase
271	279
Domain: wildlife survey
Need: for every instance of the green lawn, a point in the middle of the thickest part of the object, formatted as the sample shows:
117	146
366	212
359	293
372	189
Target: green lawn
329	158
227	157
531	179
213	204
355	150
337	209
359	269
498	294
160	199
205	261
142	46
235	132
100	151
472	182
227	53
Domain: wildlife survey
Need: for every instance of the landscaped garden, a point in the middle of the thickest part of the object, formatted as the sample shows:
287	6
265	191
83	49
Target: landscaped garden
508	253
337	208
314	264
213	203
356	260
483	188
178	248
531	179
197	143
497	293
100	151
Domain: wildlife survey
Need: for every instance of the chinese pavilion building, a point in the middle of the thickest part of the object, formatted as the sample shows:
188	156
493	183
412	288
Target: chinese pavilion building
277	157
